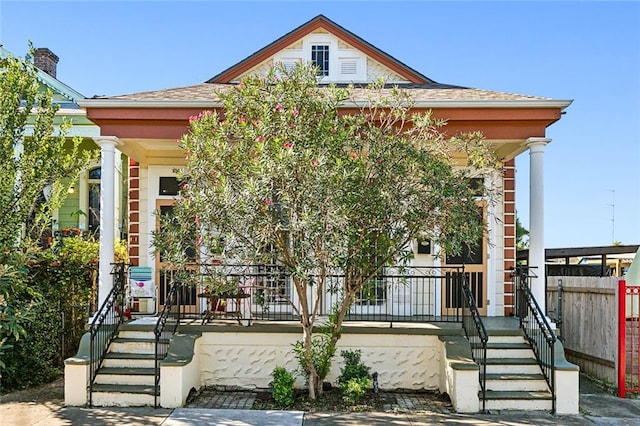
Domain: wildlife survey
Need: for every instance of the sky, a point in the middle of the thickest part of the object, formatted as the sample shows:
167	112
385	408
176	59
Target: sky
588	52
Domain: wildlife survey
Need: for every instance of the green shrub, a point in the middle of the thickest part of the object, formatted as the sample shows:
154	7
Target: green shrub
354	389
58	286
282	386
354	379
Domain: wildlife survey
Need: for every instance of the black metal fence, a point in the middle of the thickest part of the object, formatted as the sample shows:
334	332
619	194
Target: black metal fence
535	326
477	335
106	322
266	292
166	326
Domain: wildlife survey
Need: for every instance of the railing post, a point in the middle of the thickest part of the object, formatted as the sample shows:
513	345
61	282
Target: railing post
622	338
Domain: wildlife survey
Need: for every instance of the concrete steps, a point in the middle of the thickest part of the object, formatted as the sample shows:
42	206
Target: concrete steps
127	375
514	380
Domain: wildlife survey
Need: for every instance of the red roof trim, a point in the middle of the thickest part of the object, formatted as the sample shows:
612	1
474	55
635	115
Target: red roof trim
319	21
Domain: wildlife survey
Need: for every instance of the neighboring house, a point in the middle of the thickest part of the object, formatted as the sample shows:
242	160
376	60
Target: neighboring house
145	127
80	211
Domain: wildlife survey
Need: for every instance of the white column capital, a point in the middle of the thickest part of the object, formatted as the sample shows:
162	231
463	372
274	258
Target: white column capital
107	142
537	144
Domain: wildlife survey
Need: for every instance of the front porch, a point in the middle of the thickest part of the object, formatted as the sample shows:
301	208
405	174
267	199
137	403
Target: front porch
432	355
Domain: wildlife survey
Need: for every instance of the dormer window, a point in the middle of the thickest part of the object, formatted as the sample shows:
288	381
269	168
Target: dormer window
320	58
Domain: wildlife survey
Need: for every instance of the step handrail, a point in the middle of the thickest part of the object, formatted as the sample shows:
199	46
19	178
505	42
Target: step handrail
476	333
106	323
165	327
535	327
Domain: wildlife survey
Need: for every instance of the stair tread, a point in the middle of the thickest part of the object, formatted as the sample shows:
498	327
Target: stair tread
129	355
138	340
508	345
514	376
511	361
140	389
129	371
538	395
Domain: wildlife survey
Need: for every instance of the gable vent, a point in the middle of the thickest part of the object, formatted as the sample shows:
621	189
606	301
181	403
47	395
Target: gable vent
289	65
349	67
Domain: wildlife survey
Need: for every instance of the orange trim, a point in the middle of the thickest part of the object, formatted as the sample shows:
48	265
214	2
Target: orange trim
172	123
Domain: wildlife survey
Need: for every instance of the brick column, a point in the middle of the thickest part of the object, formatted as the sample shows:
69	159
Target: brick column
509	208
134	212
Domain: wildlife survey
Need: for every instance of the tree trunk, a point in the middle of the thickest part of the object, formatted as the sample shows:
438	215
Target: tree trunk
307	332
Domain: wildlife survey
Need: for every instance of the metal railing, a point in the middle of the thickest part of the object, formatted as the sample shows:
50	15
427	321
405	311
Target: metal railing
165	327
535	326
396	294
106	323
477	335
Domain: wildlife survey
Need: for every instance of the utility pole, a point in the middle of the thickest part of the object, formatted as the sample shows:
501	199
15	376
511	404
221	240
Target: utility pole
613	216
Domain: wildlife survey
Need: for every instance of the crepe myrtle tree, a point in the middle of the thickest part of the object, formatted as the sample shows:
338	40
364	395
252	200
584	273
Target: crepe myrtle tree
36	170
293	172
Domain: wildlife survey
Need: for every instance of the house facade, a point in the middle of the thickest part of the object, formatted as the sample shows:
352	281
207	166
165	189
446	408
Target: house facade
428	354
145	127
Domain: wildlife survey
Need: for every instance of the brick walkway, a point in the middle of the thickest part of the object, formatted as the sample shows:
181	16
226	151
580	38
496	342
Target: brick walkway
215	398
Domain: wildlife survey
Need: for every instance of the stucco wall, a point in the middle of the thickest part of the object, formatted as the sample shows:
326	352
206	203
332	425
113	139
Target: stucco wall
407	361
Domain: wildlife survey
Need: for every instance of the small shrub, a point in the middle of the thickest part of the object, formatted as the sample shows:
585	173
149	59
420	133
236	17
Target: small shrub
354	378
354	389
353	366
282	386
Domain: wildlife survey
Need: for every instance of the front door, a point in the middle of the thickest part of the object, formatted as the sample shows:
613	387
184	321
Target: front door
474	259
189	301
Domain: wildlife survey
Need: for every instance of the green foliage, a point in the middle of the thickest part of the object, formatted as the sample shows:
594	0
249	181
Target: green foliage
317	360
281	175
282	386
354	379
353	368
522	236
354	389
51	301
36	171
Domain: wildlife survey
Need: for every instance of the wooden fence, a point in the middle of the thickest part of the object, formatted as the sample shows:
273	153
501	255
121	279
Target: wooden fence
586	317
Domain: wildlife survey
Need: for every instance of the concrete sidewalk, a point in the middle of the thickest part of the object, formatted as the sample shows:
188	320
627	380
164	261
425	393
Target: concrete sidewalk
597	407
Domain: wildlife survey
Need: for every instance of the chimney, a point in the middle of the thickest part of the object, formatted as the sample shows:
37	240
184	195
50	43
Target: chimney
46	60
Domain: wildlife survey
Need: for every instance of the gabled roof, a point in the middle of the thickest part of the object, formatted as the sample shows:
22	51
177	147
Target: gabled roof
308	27
64	92
206	94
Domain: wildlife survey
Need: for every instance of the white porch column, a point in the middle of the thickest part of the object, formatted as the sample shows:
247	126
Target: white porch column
107	215
536	218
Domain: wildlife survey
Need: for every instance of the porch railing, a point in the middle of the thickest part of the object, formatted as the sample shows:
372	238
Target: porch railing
106	322
535	326
396	294
477	335
165	327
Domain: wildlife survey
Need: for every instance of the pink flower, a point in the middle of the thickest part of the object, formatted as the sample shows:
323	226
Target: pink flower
288	145
267	201
192	118
295	112
353	155
185	186
315	162
379	160
279	107
196	219
242	120
260	139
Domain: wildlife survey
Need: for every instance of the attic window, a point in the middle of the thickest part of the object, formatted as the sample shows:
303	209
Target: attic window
349	67
320	58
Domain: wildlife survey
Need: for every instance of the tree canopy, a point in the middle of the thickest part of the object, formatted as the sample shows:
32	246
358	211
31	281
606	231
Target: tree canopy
298	174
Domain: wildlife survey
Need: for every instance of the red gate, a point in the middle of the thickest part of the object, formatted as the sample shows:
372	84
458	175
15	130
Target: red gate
628	338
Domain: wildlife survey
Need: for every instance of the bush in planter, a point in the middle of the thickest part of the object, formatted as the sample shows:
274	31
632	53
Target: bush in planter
282	386
354	379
